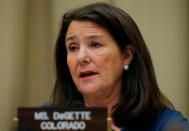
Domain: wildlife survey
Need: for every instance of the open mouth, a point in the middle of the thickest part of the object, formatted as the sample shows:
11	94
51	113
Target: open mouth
87	74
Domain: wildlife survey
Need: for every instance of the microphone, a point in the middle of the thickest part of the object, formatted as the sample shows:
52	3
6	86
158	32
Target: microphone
76	103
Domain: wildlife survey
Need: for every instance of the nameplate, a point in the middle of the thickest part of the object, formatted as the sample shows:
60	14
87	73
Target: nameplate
65	119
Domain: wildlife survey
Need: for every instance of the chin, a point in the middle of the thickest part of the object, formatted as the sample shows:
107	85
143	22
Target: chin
90	92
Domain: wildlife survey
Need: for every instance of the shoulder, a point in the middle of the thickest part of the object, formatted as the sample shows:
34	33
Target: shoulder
171	120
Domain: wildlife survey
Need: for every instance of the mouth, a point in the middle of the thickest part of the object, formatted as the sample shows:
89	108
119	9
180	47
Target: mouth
87	74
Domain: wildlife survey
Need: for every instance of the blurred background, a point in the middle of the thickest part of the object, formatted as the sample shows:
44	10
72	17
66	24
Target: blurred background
28	31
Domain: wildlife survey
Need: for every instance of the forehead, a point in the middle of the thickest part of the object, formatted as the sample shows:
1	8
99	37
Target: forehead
86	27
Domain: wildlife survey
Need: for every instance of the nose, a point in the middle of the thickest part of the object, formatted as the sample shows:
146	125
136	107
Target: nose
84	56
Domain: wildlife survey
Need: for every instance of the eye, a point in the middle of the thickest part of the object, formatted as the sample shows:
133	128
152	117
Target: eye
72	48
95	44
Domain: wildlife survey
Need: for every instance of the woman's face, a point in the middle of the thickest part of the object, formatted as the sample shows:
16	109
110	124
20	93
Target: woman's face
94	60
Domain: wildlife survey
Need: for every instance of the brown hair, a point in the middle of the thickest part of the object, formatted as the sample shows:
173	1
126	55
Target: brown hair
141	100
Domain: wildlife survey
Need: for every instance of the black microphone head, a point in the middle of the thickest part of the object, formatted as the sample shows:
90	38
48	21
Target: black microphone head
76	103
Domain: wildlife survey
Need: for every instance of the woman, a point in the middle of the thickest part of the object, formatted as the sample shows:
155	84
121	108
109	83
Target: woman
102	60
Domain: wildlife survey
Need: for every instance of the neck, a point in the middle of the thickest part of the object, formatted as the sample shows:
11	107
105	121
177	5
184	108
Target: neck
104	100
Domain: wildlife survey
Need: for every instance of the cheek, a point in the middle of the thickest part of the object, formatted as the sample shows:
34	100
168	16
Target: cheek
71	65
110	65
102	64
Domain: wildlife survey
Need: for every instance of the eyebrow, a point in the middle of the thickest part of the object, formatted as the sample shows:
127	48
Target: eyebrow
71	38
94	36
76	38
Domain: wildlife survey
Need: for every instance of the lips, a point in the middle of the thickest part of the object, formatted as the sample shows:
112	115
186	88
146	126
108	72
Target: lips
87	74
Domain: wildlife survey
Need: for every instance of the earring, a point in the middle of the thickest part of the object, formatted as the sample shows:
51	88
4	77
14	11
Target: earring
126	67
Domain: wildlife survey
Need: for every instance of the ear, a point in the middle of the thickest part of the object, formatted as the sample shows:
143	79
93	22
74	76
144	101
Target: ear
128	54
